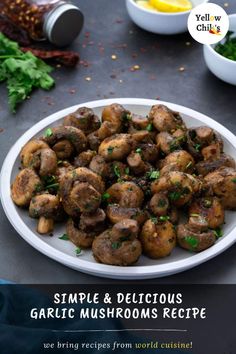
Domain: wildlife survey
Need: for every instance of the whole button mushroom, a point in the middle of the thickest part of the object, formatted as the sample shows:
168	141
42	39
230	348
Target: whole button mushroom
158	238
116	147
47	208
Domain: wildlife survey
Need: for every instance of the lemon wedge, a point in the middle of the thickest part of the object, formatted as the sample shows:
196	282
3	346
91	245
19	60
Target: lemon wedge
145	4
171	5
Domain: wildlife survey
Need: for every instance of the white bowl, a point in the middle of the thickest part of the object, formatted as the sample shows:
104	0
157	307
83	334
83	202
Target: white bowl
64	251
160	22
223	68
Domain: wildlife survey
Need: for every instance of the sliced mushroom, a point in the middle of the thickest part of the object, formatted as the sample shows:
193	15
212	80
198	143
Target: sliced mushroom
192	240
116	147
83	119
139	122
118	246
25	185
116	213
46	208
116	115
75	136
158	239
223	184
166	142
28	151
126	194
93	141
93	221
165	120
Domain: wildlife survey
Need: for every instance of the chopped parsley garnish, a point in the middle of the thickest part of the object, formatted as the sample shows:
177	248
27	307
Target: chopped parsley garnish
175	195
105	196
197	147
116	171
149	127
195	215
116	245
124	238
127	170
192	241
154	219
218	232
233	180
110	150
78	251
164	217
48	133
207	203
38	187
50	183
153	174
126	116
189	165
161	203
228	48
138	150
64	237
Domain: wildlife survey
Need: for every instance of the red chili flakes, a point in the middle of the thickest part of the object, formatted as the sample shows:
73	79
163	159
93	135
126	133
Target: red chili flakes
157	98
113	76
181	69
72	91
113	57
134	55
1	130
87	34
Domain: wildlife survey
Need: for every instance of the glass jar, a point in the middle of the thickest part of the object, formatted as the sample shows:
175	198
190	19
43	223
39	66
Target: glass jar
58	21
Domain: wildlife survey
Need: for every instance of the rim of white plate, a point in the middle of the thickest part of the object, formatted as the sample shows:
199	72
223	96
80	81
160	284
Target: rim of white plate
103	270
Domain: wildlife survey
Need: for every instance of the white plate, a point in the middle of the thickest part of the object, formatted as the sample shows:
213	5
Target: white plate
64	251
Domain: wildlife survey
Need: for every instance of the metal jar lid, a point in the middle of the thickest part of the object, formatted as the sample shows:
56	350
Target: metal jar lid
63	24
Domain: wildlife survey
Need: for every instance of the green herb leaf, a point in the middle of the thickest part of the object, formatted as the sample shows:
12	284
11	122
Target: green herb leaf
228	48
207	203
110	149
116	171
127	170
192	241
164	217
153	174
138	150
22	72
78	251
116	245
218	232
188	165
233	180
64	237
197	147
154	219
175	195
105	196
149	127
48	132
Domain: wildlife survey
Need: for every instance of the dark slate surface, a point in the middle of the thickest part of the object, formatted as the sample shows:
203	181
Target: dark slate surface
107	31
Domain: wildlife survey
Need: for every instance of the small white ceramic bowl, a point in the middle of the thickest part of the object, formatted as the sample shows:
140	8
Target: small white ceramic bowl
223	68
160	22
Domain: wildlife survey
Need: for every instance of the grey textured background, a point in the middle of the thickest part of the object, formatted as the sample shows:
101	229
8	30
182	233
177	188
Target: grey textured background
107	31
